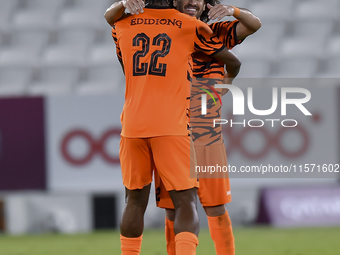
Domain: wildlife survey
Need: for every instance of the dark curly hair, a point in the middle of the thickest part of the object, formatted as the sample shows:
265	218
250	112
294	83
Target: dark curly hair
159	2
204	17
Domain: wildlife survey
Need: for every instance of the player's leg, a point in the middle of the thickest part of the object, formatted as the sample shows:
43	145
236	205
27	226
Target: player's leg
186	223
132	223
174	170
186	217
164	201
220	228
214	193
219	222
214	211
136	164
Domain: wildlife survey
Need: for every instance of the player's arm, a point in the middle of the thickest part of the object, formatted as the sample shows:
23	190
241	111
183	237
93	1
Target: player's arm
207	42
231	61
116	11
248	22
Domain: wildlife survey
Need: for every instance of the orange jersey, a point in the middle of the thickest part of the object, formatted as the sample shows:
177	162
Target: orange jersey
205	66
155	48
208	72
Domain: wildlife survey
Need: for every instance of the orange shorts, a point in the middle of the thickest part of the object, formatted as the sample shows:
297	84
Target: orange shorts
211	191
169	154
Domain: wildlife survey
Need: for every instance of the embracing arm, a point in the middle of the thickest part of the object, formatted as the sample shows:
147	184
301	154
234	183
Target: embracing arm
248	25
116	11
248	22
231	61
232	64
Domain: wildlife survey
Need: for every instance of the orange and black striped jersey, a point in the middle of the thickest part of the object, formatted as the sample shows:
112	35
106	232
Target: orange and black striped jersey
207	72
203	131
155	49
205	66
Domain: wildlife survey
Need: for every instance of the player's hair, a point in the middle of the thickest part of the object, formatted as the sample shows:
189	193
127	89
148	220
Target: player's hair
159	2
204	17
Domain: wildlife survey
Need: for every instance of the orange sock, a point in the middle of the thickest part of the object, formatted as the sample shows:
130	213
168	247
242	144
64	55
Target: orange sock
186	243
221	233
170	237
131	245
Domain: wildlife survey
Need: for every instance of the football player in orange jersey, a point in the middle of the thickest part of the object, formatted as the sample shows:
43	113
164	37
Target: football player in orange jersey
155	51
231	34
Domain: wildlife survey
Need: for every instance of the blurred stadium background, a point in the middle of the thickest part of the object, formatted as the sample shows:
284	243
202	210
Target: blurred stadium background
62	91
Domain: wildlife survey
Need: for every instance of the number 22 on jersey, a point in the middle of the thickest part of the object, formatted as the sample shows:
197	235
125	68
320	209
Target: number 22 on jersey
141	68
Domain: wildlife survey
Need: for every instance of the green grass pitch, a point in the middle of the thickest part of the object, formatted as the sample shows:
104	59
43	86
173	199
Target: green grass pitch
249	241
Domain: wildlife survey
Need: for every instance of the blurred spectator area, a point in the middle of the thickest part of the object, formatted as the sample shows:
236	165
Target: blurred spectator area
65	46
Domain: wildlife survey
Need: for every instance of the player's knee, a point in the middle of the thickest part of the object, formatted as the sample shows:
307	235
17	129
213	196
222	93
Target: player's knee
184	198
138	198
214	211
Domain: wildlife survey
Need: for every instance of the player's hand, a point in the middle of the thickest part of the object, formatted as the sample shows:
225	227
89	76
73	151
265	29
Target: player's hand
134	6
219	11
226	80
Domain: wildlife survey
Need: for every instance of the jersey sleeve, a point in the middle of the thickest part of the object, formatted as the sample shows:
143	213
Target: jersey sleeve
206	41
226	32
118	51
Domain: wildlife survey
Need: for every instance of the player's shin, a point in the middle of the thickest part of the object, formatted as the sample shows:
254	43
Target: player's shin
186	243
222	234
186	223
131	245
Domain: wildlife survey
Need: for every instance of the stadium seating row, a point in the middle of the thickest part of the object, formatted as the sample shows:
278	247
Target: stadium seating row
65	46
